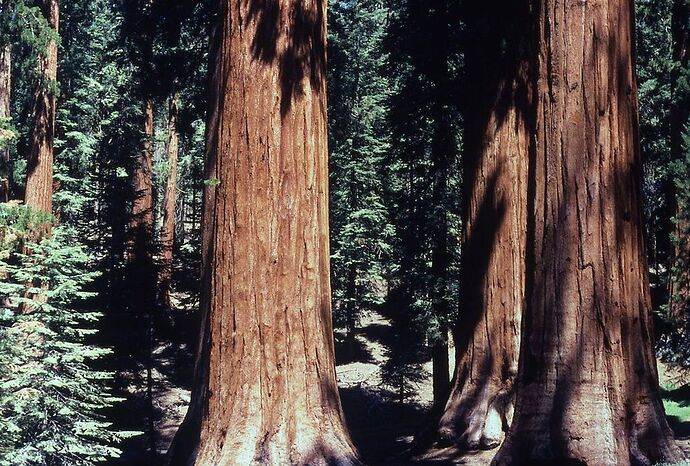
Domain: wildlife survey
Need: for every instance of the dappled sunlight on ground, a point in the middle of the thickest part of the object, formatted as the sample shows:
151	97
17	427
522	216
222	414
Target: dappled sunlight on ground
382	428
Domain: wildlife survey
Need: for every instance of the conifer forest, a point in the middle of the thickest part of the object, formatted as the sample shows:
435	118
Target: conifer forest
344	232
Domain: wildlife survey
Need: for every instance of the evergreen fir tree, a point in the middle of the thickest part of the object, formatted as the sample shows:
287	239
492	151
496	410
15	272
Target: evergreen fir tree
360	225
654	87
51	397
423	177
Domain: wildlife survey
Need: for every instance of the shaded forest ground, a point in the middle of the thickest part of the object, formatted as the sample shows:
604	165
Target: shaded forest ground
381	426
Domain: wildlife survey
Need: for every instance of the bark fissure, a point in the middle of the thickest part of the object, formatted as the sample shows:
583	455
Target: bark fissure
497	136
265	390
586	390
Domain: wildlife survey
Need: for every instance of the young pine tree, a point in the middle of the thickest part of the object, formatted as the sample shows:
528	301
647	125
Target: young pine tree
51	397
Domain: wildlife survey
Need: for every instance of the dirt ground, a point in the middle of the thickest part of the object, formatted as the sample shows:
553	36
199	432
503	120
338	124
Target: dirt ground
381	428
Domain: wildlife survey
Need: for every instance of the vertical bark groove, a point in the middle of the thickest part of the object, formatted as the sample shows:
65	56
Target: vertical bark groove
265	390
479	407
587	389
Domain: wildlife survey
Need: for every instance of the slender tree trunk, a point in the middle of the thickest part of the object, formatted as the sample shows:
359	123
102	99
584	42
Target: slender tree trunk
353	301
497	136
587	388
265	389
440	367
39	181
443	152
195	213
5	113
169	207
679	278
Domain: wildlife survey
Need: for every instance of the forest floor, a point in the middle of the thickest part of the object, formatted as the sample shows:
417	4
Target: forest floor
675	390
382	427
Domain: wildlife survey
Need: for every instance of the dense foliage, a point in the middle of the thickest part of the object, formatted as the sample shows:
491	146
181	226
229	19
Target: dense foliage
664	93
360	223
51	396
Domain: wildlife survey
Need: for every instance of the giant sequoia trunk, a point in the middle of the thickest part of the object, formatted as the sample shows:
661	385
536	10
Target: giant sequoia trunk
265	389
5	96
39	181
587	390
679	279
169	207
141	276
492	282
38	194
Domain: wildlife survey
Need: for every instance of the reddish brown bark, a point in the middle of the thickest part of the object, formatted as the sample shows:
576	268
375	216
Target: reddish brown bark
496	140
39	181
587	389
169	207
265	389
140	228
5	100
38	194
